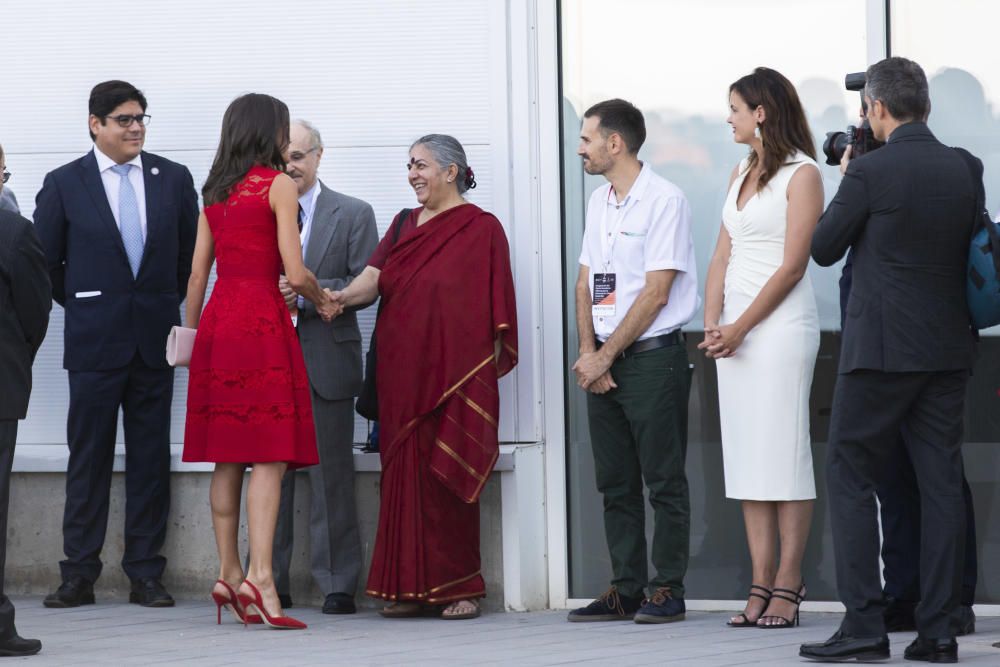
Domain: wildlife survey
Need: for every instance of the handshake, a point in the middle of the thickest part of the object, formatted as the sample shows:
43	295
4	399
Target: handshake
331	306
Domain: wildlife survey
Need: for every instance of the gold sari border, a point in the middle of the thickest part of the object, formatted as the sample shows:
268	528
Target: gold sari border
453	454
477	408
462	429
488	387
426	595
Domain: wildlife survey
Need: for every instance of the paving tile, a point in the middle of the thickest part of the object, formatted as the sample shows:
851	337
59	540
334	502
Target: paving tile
114	633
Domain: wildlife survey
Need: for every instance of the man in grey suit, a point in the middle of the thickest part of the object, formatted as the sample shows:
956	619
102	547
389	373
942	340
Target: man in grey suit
338	236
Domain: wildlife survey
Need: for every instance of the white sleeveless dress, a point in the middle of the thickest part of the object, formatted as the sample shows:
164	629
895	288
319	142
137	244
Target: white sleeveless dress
764	387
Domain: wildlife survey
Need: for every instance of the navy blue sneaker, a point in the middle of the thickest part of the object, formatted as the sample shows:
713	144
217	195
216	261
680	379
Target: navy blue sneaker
661	608
609	607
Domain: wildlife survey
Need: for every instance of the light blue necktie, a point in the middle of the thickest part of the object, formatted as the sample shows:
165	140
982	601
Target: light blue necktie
128	216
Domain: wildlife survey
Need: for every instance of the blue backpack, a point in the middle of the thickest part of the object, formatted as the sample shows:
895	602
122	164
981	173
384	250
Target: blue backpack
983	285
983	278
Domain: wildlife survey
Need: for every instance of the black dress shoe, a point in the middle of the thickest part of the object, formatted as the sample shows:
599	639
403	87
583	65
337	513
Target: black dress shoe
14	646
966	620
73	592
898	615
339	603
842	648
932	650
149	592
286	600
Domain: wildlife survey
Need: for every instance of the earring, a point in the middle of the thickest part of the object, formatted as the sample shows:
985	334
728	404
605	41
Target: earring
450	180
756	132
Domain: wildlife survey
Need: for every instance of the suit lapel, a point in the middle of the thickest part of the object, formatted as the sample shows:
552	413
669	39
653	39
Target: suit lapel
95	187
152	181
324	224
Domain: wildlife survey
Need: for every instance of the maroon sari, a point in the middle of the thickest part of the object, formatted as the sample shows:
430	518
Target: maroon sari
447	296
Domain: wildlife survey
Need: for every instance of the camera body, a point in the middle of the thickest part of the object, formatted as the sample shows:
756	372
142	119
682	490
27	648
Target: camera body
860	137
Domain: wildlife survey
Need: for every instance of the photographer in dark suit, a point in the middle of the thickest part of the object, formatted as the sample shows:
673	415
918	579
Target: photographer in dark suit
118	227
907	210
899	510
25	302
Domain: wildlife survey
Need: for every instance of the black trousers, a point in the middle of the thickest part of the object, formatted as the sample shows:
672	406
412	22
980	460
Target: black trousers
144	396
899	507
870	410
8	437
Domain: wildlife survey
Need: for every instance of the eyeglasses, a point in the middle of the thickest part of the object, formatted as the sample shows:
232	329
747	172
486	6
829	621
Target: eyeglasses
296	156
125	120
6	176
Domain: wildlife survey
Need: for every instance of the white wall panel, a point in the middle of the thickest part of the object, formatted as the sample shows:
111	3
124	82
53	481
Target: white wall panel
372	75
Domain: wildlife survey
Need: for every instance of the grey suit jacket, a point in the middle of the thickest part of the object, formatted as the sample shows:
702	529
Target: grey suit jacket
343	237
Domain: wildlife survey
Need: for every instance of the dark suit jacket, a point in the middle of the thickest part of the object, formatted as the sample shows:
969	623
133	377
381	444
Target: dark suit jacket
342	238
907	210
85	253
25	302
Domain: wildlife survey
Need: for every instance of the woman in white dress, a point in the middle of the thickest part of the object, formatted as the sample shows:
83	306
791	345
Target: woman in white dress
762	328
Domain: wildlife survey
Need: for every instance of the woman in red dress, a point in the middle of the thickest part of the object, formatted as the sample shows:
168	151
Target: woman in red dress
248	395
447	331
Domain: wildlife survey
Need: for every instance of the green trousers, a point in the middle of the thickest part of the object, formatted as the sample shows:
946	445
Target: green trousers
639	432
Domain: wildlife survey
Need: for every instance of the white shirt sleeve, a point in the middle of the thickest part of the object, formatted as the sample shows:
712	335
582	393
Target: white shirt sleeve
668	239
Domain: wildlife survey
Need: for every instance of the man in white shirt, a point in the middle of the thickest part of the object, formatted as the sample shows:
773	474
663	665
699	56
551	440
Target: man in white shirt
118	227
637	287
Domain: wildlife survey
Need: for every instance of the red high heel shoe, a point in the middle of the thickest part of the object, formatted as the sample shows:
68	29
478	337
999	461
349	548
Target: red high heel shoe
257	603
230	601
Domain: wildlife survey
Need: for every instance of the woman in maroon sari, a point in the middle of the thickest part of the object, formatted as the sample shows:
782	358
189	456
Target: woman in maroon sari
447	331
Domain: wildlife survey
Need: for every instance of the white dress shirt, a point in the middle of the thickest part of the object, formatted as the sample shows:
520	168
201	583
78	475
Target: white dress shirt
112	184
308	203
649	231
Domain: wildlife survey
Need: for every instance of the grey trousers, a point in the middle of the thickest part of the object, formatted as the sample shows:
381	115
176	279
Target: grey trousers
335	543
8	437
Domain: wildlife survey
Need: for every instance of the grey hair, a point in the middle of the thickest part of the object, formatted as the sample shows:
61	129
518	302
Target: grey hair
901	85
447	151
315	141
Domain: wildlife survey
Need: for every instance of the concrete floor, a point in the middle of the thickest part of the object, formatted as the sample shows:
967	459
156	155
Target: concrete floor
116	633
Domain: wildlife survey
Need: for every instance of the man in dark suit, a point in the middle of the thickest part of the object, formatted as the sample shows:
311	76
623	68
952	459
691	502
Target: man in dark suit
25	302
907	211
118	227
338	236
899	509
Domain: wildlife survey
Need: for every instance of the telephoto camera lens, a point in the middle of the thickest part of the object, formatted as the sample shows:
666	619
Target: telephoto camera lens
836	143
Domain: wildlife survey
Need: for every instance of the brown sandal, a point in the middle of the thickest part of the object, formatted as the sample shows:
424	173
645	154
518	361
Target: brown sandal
402	610
474	613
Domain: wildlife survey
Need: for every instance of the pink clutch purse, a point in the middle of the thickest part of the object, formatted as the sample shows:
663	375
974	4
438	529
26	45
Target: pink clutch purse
180	342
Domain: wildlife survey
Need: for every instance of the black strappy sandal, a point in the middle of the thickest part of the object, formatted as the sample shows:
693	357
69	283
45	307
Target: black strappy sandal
746	622
782	623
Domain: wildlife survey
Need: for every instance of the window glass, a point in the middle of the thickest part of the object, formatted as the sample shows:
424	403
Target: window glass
675	61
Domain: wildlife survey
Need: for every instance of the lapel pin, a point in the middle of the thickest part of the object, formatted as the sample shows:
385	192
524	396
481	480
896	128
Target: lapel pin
154	171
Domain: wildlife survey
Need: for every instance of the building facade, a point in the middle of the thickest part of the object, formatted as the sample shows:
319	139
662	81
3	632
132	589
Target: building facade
510	79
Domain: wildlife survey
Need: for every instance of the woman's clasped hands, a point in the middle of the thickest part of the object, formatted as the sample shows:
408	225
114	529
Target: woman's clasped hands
721	341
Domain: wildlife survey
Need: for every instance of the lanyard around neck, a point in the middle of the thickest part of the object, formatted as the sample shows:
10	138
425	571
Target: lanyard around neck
609	238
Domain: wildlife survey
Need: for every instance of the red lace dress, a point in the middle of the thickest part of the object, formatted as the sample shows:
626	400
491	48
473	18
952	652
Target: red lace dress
248	393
